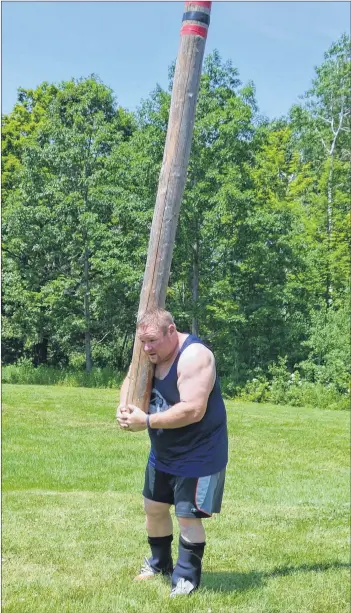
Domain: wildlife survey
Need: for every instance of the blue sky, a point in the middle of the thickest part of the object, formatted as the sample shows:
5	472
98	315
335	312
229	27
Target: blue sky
130	45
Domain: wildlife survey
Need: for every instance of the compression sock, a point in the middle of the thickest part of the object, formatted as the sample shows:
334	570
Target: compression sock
161	550
189	562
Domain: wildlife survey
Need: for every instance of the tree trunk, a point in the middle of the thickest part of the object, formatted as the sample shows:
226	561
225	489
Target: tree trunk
120	360
329	288
88	358
195	289
171	185
41	351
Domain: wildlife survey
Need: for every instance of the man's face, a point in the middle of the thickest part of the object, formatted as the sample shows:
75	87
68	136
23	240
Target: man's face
157	344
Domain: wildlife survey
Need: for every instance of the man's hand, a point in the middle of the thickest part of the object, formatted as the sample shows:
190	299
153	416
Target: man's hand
121	409
132	418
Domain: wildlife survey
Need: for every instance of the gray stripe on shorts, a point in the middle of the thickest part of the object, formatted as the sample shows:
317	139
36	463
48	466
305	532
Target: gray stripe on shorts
205	493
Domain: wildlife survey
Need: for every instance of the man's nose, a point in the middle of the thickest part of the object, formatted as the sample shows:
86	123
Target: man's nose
147	347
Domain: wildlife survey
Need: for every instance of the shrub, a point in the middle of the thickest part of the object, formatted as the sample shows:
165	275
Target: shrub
285	387
256	390
329	360
24	372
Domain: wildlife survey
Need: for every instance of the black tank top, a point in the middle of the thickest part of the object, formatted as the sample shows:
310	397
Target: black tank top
196	450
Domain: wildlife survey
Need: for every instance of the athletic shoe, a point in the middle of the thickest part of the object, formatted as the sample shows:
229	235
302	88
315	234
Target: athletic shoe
147	572
183	588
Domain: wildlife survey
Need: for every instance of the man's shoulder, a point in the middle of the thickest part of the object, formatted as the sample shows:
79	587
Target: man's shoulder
195	350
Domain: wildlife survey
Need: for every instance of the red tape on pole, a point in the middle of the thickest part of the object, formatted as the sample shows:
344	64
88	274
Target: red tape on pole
207	5
193	30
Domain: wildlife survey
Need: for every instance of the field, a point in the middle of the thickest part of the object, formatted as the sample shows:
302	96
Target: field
73	525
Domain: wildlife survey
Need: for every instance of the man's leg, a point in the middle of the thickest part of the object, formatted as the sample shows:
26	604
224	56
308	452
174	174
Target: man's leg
159	525
195	499
187	572
159	528
158	518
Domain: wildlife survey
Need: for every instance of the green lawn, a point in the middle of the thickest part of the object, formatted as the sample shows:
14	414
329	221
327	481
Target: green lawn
73	525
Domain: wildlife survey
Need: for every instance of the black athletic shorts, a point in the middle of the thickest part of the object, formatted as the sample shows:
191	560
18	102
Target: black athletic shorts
191	496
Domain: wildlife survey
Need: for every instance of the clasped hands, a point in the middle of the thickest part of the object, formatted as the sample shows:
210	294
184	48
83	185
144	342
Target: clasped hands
131	418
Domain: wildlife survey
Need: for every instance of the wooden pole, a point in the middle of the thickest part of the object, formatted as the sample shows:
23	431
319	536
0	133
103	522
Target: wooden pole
171	184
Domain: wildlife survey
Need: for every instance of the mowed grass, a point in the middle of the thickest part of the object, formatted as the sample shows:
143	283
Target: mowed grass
73	524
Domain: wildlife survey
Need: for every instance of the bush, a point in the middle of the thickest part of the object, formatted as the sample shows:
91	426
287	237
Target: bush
285	387
329	360
228	387
256	390
24	372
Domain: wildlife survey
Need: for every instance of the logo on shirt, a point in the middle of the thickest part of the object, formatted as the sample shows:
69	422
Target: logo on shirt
157	402
158	405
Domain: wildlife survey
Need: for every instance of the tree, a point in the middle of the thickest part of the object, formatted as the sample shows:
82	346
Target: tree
323	131
20	125
222	135
60	214
262	239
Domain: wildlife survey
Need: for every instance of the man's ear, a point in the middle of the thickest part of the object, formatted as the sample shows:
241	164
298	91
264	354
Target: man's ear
172	329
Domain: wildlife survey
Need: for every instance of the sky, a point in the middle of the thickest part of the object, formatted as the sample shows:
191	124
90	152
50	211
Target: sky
131	45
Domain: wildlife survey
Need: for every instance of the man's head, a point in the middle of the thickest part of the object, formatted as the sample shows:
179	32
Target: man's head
158	334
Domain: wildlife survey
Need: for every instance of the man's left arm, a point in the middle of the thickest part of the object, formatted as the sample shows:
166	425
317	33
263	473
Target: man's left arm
196	378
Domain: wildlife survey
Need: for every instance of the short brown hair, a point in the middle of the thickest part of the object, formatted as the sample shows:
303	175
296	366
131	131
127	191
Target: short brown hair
160	318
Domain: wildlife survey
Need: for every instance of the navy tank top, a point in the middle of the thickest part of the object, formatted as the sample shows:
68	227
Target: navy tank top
196	450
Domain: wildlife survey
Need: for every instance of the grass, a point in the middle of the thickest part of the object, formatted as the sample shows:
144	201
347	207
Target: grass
73	526
26	373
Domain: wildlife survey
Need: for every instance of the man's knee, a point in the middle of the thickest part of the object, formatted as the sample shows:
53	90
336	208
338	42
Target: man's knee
191	530
156	509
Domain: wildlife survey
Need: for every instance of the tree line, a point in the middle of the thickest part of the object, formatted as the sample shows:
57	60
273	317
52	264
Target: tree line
261	266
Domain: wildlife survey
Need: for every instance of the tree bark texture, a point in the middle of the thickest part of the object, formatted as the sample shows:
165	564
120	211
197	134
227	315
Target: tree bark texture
171	185
329	297
87	333
195	288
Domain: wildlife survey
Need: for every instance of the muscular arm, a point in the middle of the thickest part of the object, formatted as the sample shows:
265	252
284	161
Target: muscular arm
196	377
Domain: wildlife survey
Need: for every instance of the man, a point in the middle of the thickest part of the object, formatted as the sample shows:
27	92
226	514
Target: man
189	447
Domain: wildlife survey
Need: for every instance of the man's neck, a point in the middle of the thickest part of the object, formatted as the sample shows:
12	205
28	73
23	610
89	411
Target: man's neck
163	368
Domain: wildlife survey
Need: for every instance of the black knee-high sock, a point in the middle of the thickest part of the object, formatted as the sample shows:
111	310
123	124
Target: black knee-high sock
189	562
161	550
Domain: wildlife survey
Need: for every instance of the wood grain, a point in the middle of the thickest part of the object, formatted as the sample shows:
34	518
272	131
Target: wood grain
169	195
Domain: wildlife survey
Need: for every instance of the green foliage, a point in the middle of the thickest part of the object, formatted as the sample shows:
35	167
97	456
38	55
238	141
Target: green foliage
19	127
255	390
24	373
322	129
61	228
261	262
329	360
282	386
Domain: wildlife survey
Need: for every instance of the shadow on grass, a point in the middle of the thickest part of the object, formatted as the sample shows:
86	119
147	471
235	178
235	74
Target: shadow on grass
240	582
